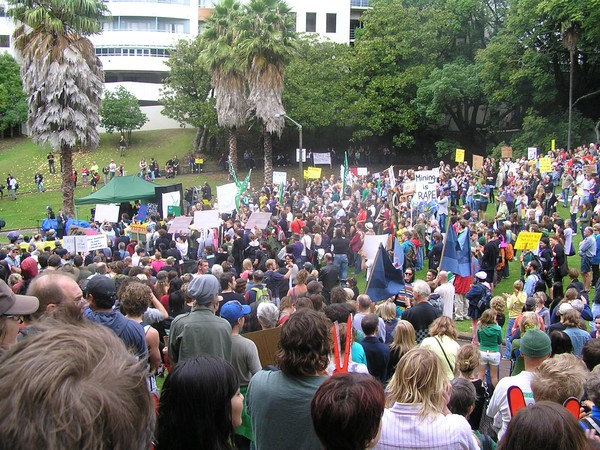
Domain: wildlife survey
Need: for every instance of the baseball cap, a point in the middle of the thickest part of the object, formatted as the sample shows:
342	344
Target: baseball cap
12	304
535	344
233	310
203	289
481	275
101	287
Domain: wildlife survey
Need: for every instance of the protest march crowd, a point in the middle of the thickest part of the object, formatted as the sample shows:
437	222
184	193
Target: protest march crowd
251	331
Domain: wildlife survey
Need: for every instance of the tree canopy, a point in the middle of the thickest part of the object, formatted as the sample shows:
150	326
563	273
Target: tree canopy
120	111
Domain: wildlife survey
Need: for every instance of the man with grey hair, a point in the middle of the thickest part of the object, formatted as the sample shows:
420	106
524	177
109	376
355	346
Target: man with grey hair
423	313
587	251
446	292
200	332
268	315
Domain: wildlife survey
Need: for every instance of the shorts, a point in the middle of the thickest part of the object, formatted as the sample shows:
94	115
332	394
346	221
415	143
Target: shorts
586	264
491	358
483	206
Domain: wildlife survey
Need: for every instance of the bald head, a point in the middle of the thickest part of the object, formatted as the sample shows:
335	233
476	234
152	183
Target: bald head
443	276
52	290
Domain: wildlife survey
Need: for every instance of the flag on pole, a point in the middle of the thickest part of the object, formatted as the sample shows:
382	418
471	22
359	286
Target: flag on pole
398	254
344	175
241	186
385	281
456	257
281	194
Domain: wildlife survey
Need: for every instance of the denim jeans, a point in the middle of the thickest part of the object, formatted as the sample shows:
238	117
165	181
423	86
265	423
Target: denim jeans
357	264
565	194
341	262
574	223
442	222
420	257
511	322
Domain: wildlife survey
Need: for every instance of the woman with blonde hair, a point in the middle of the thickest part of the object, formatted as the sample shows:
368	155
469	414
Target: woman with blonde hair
467	360
405	339
442	342
418	416
387	311
246	269
515	303
300	289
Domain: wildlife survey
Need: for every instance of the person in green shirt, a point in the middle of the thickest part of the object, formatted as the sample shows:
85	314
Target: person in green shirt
489	335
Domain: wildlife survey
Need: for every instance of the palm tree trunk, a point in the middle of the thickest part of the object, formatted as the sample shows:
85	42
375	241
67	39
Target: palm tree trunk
67	183
233	147
268	148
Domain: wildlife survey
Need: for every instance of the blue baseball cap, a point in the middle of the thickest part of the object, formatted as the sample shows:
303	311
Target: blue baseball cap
233	310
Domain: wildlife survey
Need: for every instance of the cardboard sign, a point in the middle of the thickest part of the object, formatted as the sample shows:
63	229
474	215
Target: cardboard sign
460	155
527	241
279	178
371	244
206	219
545	165
266	342
425	186
553	144
590	169
69	244
507	152
226	197
258	220
321	158
109	213
180	223
477	162
531	153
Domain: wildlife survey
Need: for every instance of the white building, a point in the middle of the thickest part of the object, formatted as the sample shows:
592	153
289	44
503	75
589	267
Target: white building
136	41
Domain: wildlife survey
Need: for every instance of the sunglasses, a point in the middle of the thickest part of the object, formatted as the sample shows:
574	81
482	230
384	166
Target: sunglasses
407	273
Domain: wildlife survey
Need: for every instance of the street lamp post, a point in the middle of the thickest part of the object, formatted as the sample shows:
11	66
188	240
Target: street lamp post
300	150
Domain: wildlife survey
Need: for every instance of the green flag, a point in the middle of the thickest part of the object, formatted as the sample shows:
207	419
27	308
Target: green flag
281	194
344	175
233	174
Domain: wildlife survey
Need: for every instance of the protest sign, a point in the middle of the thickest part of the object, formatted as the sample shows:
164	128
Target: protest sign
279	178
68	243
226	197
545	165
531	153
553	144
180	223
266	342
460	155
590	169
477	162
109	213
362	171
96	242
258	220
312	173
425	186
321	158
371	244
206	219
172	198
507	152
391	176
527	241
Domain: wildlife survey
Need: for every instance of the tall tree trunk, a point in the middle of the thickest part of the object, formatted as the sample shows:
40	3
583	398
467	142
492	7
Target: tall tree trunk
233	147
571	73
268	148
198	139
67	183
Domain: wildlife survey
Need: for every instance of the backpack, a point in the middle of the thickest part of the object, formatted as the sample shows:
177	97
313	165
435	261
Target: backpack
485	301
509	252
262	294
410	258
2	223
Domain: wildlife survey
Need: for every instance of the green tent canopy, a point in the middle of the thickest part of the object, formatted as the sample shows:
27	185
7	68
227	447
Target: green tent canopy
121	189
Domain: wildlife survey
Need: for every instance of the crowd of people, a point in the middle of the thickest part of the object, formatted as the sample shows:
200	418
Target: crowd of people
85	337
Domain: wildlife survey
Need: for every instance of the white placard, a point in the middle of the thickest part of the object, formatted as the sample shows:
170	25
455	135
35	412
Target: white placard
531	153
279	177
321	158
107	212
391	176
226	197
298	155
96	242
170	199
362	171
258	220
371	244
345	203
68	243
425	185
206	219
180	223
81	243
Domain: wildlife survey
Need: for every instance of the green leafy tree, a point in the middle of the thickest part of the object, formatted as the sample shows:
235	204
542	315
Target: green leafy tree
62	76
120	111
226	68
186	95
266	43
13	104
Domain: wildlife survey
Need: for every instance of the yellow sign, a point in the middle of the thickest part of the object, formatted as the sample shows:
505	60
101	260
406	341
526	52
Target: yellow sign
312	173
553	144
545	165
138	228
527	241
460	155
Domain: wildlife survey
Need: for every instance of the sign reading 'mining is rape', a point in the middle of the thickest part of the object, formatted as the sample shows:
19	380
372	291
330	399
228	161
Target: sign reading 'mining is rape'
426	185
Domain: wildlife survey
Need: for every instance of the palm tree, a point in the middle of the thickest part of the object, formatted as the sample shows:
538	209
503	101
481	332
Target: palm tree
62	76
266	42
227	79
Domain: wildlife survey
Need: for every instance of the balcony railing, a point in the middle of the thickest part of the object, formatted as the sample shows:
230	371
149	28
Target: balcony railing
170	2
360	3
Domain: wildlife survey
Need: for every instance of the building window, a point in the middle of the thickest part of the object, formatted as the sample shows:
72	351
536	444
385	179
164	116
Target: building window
331	23
2	11
311	22
4	40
